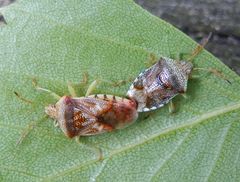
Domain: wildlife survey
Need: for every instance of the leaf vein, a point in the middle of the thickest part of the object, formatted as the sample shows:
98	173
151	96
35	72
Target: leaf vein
25	173
218	151
188	124
168	157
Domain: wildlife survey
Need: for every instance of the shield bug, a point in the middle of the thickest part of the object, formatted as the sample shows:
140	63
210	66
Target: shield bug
92	114
159	84
89	115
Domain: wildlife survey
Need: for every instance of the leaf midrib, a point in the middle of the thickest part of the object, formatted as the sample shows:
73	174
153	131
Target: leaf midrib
188	124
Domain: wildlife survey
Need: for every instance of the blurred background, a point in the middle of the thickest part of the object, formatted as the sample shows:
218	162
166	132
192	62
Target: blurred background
197	18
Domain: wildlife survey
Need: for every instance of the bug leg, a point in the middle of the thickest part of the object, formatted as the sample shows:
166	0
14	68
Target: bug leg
71	90
77	139
213	71
184	95
98	151
82	83
85	78
96	82
194	76
171	107
56	124
91	87
151	60
118	83
196	51
34	82
22	98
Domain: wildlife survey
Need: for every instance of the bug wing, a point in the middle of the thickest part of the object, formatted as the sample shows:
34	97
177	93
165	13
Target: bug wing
92	106
89	109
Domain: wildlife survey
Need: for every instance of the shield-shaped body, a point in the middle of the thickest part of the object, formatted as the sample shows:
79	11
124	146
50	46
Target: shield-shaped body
92	115
158	84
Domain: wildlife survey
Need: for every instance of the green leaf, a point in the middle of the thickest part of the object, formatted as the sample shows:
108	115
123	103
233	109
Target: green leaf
57	41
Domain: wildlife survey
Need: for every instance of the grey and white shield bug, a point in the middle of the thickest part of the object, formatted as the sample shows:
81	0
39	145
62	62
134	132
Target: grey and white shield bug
160	83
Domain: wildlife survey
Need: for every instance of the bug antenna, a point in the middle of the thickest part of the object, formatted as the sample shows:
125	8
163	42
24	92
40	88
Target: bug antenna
200	47
22	98
35	84
215	72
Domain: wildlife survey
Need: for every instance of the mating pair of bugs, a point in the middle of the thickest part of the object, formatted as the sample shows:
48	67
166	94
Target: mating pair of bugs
96	114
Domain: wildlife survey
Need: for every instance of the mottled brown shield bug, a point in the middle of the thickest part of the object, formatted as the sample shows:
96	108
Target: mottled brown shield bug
89	115
159	84
92	115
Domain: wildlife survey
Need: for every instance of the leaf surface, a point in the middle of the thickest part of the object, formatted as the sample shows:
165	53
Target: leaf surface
56	42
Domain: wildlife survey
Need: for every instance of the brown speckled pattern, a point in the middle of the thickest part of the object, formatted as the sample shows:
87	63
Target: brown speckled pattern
94	114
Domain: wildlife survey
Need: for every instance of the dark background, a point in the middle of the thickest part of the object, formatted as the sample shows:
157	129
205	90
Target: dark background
199	17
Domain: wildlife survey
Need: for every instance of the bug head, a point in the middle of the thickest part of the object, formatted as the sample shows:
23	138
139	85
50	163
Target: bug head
55	110
186	67
51	111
